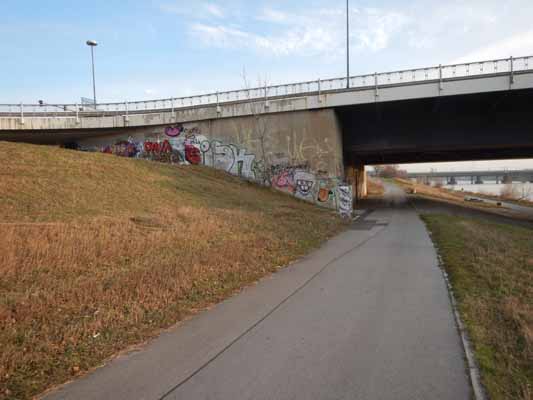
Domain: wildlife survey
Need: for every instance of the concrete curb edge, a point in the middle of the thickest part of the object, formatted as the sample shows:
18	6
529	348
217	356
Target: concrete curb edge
473	369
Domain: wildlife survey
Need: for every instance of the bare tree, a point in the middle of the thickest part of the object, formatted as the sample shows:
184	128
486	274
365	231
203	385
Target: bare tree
390	171
259	127
516	192
509	191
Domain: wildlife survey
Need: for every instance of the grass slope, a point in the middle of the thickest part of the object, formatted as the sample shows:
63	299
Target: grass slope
491	269
440	194
98	253
375	187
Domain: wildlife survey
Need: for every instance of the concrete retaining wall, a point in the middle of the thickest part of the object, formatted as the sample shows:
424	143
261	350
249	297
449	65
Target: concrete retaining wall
299	153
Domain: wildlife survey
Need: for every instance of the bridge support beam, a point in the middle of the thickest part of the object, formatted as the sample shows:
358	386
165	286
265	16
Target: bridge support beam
356	176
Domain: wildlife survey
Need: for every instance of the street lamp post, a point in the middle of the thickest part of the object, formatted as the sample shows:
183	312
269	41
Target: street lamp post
92	44
347	44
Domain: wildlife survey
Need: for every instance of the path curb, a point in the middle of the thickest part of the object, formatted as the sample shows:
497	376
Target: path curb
473	369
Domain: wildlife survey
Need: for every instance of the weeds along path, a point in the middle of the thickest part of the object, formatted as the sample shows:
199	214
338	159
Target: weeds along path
98	253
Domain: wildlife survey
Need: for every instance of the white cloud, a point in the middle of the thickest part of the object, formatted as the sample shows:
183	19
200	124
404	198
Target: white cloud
196	10
378	27
517	45
214	10
269	15
220	36
320	32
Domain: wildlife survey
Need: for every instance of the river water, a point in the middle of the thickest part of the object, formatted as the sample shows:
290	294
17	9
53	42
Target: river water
519	189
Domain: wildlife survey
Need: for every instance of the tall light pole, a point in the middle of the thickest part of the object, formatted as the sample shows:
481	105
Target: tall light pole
347	44
92	44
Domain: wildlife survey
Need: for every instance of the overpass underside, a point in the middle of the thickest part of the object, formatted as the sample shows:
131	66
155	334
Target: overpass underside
484	126
316	154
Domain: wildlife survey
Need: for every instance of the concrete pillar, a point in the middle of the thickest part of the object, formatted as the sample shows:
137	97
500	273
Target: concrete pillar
356	176
507	179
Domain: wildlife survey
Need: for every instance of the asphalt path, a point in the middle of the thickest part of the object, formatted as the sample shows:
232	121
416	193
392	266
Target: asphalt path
367	316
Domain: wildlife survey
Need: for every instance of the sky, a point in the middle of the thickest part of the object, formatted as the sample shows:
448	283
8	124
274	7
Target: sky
170	48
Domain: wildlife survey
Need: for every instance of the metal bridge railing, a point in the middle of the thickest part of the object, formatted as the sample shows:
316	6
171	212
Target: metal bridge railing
441	72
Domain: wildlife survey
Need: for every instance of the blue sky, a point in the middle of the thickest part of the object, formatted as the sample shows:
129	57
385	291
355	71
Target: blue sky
163	48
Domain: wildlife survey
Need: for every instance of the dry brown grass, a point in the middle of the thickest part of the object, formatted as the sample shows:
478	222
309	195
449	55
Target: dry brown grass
491	271
375	187
440	193
99	253
435	192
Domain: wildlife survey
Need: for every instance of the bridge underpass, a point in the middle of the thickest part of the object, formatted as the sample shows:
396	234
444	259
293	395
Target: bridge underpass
311	139
485	126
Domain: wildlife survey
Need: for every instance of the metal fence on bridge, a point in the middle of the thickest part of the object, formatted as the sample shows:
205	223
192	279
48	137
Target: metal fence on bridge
377	80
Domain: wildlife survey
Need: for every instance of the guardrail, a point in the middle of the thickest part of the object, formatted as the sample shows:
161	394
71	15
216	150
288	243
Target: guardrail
376	80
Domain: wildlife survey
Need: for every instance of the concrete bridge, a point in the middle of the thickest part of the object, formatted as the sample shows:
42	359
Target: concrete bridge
478	177
309	138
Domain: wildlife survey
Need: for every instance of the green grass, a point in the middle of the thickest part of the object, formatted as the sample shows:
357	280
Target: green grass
491	269
99	253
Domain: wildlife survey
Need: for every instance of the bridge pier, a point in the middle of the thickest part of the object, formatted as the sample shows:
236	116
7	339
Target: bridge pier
451	181
356	176
507	179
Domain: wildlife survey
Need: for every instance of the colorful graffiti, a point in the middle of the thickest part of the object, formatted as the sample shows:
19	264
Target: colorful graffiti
305	182
174	130
345	201
177	130
187	146
192	154
122	148
157	147
325	195
284	180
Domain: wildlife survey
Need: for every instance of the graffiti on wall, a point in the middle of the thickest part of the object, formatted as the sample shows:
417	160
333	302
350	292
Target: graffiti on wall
306	147
305	184
179	129
345	200
188	146
124	148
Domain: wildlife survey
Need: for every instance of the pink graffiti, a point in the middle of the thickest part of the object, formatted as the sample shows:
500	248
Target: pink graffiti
174	131
284	180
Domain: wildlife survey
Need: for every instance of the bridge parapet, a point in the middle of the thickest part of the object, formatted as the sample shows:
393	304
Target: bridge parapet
375	82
